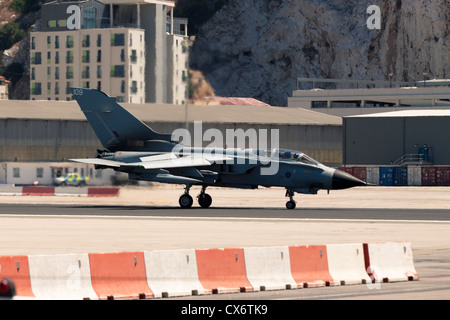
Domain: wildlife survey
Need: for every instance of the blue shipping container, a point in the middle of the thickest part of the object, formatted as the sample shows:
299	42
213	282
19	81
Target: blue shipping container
386	176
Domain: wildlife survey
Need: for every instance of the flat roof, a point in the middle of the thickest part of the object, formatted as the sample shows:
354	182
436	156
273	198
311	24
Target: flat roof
148	112
406	113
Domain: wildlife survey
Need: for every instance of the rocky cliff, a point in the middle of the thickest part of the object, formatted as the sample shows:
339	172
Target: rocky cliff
257	48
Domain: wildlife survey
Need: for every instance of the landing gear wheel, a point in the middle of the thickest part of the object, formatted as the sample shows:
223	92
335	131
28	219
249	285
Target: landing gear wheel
290	205
204	200
185	201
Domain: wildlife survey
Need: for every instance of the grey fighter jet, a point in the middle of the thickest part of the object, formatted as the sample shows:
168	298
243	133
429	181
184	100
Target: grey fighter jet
132	147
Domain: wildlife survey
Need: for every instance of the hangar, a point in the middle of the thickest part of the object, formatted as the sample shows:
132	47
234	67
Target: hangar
397	138
57	130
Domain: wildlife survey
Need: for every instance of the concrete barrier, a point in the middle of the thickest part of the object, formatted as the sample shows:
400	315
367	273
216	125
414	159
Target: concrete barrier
102	192
172	273
222	270
169	273
60	191
346	263
17	269
38	191
390	261
65	276
309	266
119	275
269	268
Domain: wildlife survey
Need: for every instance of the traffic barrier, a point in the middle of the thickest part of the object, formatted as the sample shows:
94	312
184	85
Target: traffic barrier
119	275
222	270
169	273
269	268
346	263
64	276
38	191
389	262
309	266
60	191
172	273
17	269
103	192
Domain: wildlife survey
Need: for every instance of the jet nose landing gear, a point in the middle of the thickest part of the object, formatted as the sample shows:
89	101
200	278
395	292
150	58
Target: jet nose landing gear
185	200
291	203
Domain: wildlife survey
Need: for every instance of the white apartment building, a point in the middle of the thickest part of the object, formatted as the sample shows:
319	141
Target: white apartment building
111	60
131	49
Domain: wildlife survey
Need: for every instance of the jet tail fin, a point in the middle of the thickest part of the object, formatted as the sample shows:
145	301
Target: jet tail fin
114	126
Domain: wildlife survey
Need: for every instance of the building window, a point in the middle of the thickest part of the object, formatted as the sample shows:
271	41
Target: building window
56	87
33	74
99	72
36	88
99	40
118	39
69	42
49	88
89	18
118	71
39	172
122	55
49	42
36	58
85	72
49	73
86	42
56	73
133	56
33	43
122	86
86	56
49	57
69	72
99	56
99	85
16	172
68	86
56	57
57	42
69	57
134	88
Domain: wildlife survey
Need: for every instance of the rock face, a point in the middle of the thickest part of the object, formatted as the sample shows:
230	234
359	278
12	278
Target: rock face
257	48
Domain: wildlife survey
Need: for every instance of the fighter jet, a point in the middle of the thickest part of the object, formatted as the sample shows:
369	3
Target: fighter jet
132	147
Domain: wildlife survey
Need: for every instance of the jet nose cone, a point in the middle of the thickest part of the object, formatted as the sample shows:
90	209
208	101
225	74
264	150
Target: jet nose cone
344	180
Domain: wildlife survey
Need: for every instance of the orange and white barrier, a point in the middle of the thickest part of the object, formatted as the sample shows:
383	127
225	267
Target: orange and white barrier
60	191
390	261
169	273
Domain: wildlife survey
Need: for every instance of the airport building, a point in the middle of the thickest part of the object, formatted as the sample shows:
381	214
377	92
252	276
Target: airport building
366	97
134	50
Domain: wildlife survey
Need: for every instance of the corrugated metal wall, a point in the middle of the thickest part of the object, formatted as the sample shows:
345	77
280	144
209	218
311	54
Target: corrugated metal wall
56	140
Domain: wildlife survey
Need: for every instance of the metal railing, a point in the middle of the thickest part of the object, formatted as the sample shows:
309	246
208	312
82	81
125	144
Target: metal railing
413	159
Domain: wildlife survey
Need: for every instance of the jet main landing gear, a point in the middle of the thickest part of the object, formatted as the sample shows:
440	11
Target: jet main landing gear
186	201
204	199
291	203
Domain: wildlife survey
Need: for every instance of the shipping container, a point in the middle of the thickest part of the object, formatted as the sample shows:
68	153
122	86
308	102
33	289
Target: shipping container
400	176
414	176
443	176
373	175
360	173
428	176
386	176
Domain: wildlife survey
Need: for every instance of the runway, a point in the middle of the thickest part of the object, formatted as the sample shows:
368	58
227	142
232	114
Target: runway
46	225
242	213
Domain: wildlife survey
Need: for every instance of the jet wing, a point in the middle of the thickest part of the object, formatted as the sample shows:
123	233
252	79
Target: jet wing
155	162
101	162
166	161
